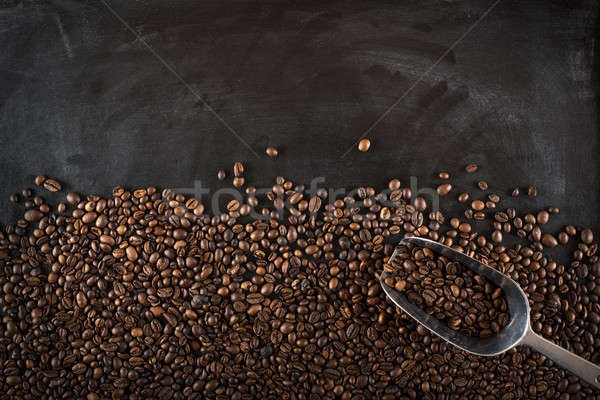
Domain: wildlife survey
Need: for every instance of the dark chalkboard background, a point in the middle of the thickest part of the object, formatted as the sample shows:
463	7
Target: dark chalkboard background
83	100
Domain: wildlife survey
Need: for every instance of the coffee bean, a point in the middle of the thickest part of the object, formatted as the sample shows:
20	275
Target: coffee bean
420	203
482	185
233	205
221	175
33	215
587	236
444	175
470	168
531	191
52	185
394	184
314	204
238	182
14	198
463	197
515	192
272	152
364	145
549	240
238	169
39	180
444	189
477	205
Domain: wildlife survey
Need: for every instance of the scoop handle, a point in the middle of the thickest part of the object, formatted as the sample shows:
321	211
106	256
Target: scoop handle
578	366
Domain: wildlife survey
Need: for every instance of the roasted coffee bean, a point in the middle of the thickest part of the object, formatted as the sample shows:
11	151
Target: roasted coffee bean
142	295
39	180
364	145
221	175
587	236
238	169
444	189
482	185
531	191
515	192
463	197
470	168
14	198
52	185
549	240
477	205
238	182
444	175
394	184
272	151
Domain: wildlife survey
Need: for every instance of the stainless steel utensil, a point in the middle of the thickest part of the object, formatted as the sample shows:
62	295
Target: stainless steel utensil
517	332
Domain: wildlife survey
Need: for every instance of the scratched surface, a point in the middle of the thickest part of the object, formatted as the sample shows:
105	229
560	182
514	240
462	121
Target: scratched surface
84	100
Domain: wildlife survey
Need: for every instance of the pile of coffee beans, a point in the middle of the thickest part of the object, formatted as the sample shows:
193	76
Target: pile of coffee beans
142	294
448	290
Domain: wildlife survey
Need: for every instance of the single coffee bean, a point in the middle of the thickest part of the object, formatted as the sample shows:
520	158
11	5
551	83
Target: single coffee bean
73	198
587	236
52	185
444	189
482	185
477	205
27	193
33	215
364	145
272	152
549	240
531	191
14	198
463	197
444	175
420	203
238	169
233	205
221	175
238	181
39	180
470	168
543	217
394	184
515	192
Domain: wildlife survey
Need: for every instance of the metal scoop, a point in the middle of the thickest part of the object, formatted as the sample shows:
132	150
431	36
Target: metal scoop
517	332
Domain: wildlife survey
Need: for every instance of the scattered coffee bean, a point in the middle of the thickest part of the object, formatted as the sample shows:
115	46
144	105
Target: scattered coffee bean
238	181
39	180
482	185
444	175
364	145
14	198
587	236
272	152
477	205
444	189
463	197
221	175
52	185
238	169
531	191
470	168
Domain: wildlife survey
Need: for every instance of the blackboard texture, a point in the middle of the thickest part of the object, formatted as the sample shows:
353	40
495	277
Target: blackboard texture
511	85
